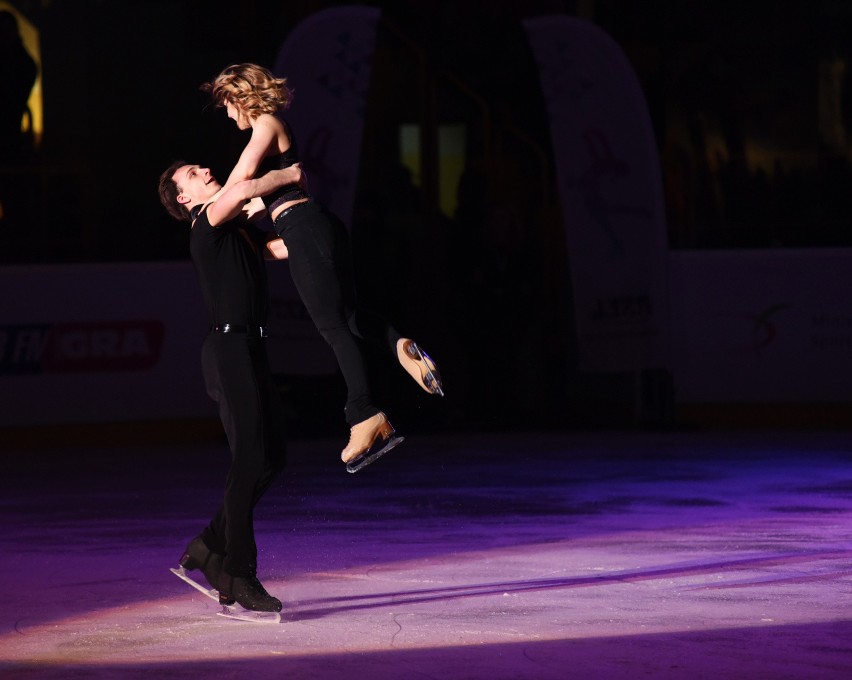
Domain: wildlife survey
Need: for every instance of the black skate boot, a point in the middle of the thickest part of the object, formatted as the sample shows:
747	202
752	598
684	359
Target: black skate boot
247	591
198	556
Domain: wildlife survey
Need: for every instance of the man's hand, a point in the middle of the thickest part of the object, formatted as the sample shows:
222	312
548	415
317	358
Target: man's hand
276	248
299	177
254	210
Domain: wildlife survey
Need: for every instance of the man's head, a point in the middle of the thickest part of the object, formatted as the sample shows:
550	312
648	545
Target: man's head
183	186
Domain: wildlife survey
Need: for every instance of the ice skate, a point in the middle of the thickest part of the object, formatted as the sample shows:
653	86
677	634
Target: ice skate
420	366
369	440
248	592
230	608
180	572
198	556
240	613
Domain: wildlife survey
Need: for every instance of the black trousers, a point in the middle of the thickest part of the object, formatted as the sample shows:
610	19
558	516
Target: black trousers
321	267
236	371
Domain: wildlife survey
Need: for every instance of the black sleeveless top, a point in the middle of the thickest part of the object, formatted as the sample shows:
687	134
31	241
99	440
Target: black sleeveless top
231	271
289	192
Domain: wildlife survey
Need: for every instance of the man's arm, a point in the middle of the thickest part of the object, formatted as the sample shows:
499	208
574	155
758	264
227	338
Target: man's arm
276	249
229	204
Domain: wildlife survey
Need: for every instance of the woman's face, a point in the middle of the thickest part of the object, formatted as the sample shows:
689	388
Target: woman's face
237	115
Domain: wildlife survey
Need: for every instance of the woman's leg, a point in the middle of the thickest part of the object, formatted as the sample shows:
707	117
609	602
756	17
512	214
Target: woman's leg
320	264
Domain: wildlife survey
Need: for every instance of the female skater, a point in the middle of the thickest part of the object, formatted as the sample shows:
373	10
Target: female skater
320	258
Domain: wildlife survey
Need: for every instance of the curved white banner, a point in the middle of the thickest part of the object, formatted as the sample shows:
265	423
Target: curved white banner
610	188
327	60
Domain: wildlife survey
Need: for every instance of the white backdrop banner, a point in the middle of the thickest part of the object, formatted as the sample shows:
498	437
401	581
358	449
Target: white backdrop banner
610	188
762	326
327	60
122	342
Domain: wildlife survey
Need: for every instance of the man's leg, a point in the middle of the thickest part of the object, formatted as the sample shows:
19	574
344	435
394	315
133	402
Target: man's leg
232	372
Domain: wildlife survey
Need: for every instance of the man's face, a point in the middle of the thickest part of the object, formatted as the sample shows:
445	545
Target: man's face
195	184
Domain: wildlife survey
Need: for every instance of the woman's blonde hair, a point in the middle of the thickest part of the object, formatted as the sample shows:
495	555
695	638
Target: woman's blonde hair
251	88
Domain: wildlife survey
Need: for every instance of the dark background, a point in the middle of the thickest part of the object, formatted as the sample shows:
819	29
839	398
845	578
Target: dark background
748	100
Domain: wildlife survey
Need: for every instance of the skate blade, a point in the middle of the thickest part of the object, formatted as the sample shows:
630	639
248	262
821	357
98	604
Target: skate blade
180	572
239	613
432	380
372	456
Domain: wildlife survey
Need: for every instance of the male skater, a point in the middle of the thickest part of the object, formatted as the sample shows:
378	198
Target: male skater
228	254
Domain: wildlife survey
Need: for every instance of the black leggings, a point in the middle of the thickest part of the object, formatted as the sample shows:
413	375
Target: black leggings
236	371
321	267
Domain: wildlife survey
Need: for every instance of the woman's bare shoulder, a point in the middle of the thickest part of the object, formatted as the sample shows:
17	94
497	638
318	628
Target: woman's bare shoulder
267	120
274	127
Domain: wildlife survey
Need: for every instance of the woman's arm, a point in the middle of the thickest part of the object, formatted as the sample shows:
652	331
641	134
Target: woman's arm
267	131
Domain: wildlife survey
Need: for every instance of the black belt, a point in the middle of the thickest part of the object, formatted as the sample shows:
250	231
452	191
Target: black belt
255	331
287	211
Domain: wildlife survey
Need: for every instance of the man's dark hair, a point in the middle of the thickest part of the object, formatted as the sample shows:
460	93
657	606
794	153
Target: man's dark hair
169	192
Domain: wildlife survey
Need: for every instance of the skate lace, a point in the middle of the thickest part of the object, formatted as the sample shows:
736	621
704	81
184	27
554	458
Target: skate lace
362	426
